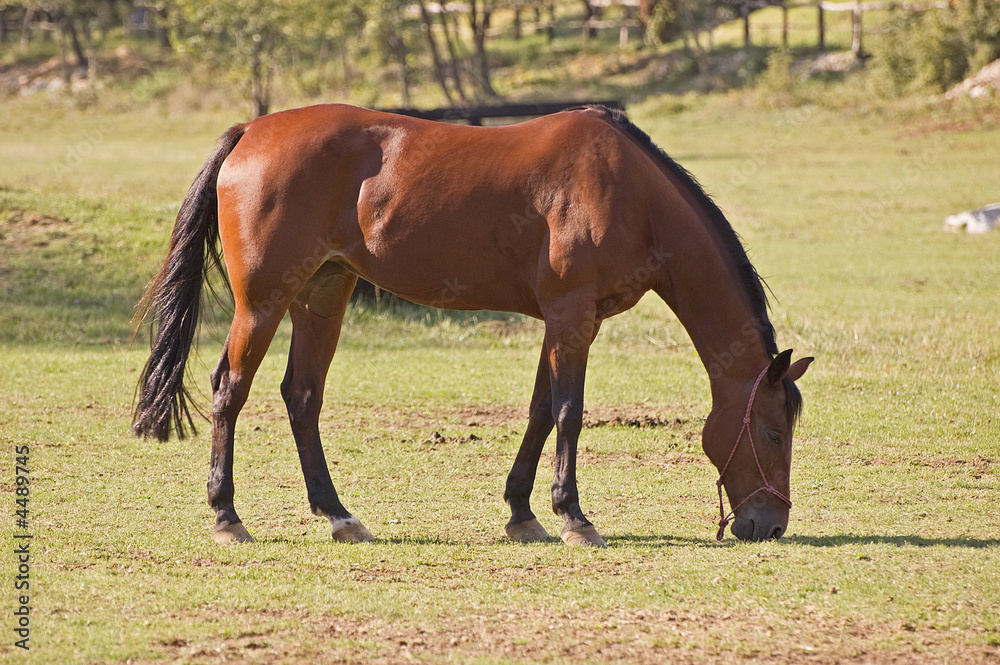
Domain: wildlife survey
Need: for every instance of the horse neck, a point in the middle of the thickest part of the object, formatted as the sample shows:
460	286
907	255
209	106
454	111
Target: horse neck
703	289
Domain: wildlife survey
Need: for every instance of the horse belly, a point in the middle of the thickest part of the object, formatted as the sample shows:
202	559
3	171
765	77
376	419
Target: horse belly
435	259
452	271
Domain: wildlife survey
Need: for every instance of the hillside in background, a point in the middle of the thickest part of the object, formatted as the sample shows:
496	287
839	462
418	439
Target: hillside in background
392	53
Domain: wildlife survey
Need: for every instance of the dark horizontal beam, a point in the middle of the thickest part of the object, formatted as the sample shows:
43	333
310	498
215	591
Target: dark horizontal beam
474	114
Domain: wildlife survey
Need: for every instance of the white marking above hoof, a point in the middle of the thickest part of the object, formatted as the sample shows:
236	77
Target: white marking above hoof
585	536
350	530
526	532
232	533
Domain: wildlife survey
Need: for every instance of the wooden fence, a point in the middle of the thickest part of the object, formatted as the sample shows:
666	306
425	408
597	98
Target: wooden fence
857	10
856	7
474	115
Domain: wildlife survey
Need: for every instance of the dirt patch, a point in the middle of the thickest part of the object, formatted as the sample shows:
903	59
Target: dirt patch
627	415
841	62
438	439
987	118
23	229
639	416
619	636
485	416
25	219
984	83
977	465
662	459
52	74
359	416
31	76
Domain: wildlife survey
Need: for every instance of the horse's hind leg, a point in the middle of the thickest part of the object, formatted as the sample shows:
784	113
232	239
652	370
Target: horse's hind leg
317	314
249	336
523	524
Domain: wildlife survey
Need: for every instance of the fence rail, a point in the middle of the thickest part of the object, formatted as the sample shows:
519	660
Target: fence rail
857	9
474	115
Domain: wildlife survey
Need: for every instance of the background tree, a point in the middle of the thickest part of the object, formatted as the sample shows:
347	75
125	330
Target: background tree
253	36
480	14
659	20
395	35
437	60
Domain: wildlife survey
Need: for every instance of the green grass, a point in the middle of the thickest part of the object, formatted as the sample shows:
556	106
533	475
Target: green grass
892	548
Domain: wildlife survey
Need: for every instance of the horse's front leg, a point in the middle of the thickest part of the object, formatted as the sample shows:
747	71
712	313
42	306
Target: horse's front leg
568	340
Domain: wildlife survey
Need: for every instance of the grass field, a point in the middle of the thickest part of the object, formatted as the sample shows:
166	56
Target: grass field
893	545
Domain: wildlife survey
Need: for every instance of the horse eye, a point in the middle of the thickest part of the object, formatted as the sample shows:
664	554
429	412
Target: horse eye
773	437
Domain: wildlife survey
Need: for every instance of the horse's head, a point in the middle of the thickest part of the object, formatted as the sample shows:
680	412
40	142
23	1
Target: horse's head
748	436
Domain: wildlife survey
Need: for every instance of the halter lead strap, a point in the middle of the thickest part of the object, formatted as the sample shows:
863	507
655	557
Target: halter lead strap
724	519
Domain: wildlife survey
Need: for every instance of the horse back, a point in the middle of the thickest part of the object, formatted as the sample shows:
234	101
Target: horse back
441	214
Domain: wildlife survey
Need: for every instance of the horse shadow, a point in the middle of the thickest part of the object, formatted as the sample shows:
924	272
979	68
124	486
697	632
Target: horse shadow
666	541
835	540
908	540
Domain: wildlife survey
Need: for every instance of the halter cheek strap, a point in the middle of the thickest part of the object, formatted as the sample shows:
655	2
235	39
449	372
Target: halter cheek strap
724	519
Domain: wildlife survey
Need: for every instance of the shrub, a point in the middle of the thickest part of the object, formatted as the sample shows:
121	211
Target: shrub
778	74
935	48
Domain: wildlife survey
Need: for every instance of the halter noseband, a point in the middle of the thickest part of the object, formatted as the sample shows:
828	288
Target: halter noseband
724	519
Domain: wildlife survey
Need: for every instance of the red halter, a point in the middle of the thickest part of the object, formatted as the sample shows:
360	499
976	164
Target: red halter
724	519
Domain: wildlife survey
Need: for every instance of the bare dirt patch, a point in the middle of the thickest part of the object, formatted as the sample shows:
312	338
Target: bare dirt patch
437	427
343	416
53	74
537	635
23	229
631	415
626	415
984	83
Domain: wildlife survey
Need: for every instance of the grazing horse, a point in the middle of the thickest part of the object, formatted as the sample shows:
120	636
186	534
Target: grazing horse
568	218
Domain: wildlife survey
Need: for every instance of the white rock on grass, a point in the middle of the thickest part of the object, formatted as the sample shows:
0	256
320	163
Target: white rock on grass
982	220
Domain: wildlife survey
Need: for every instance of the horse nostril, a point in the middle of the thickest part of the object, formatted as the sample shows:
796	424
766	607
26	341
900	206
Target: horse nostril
776	533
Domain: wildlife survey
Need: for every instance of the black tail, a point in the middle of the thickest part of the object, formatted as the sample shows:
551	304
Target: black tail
173	300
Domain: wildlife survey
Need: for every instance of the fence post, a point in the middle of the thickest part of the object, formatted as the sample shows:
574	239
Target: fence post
746	24
784	24
856	28
822	28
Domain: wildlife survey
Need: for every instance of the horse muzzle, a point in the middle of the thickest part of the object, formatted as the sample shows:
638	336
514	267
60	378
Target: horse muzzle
758	525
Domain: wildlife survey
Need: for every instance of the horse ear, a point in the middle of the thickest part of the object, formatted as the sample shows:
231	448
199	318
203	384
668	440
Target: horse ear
782	366
778	368
799	368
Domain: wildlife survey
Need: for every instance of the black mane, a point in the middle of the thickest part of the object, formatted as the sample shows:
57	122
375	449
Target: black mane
753	284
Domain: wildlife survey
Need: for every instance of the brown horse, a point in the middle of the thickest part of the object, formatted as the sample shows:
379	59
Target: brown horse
568	218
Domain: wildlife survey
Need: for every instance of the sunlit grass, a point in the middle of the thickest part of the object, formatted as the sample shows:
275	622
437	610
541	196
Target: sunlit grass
892	546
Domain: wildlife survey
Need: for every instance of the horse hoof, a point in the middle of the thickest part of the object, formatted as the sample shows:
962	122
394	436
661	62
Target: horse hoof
232	533
586	536
526	532
351	531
